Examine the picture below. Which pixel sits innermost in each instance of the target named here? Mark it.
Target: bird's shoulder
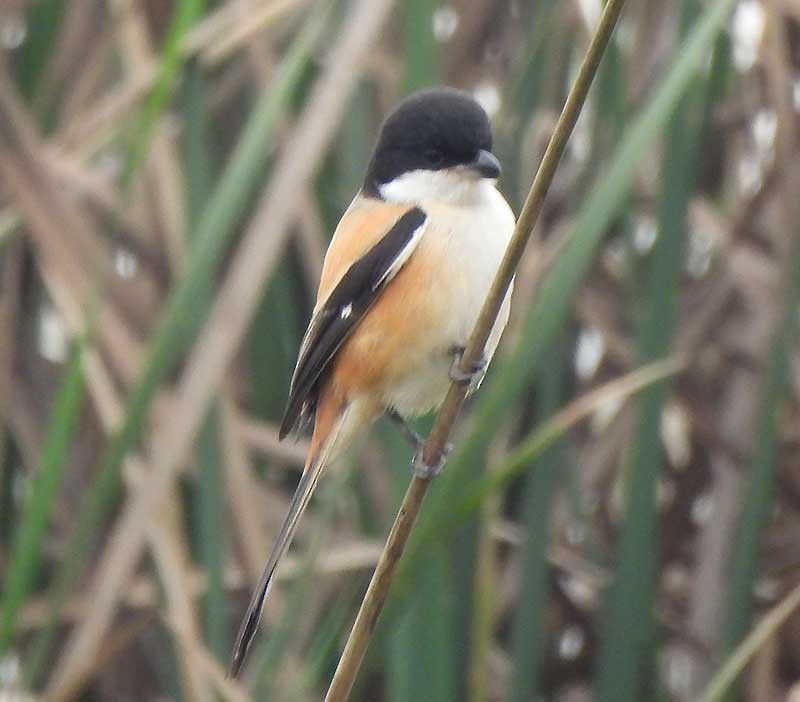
(365, 223)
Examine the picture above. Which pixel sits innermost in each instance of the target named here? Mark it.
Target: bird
(403, 282)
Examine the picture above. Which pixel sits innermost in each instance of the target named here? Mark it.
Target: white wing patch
(402, 256)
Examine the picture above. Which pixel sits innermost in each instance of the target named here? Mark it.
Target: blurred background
(623, 504)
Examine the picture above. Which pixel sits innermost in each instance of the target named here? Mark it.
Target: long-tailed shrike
(404, 279)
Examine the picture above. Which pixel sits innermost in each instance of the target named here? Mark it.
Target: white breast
(470, 239)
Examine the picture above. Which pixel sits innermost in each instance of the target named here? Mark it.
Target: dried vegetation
(170, 173)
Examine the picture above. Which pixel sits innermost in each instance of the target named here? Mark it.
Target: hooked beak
(486, 164)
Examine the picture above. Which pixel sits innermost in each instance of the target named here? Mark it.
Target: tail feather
(325, 437)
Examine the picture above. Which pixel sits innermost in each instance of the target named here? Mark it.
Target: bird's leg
(414, 439)
(471, 378)
(419, 468)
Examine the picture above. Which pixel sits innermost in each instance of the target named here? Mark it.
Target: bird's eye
(434, 157)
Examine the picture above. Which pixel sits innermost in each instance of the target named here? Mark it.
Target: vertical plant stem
(756, 509)
(530, 627)
(209, 499)
(27, 547)
(627, 654)
(186, 12)
(420, 46)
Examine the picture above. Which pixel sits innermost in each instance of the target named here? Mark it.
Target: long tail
(329, 422)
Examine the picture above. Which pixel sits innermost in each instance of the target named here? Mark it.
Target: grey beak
(486, 164)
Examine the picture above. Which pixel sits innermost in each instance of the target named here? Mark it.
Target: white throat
(454, 186)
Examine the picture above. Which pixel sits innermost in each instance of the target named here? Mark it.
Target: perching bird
(403, 282)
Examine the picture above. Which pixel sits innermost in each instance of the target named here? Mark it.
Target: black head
(432, 130)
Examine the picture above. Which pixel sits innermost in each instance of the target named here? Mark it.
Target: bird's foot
(472, 378)
(420, 469)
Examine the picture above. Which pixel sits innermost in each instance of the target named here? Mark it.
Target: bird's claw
(420, 469)
(472, 378)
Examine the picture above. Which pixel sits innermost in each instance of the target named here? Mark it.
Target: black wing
(347, 304)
